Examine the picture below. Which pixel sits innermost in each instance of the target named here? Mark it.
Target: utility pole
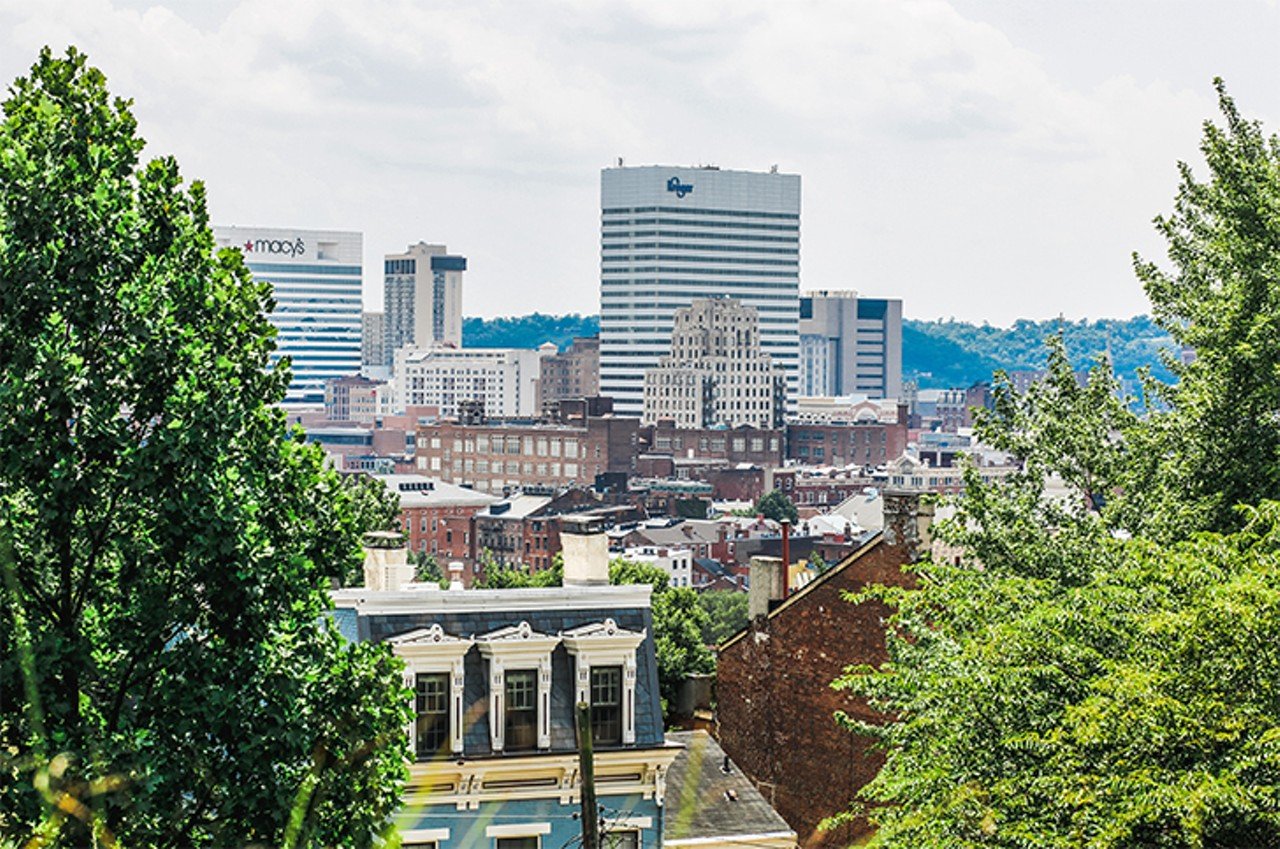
(587, 771)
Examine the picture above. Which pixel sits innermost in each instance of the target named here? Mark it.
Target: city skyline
(951, 152)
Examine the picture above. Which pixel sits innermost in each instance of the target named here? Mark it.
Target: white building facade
(850, 345)
(422, 298)
(316, 277)
(505, 380)
(672, 235)
(716, 374)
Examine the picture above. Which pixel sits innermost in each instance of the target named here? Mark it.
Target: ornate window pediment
(518, 648)
(428, 654)
(605, 644)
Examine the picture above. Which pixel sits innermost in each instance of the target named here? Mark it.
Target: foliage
(1094, 672)
(498, 576)
(678, 624)
(377, 509)
(775, 505)
(528, 331)
(946, 354)
(726, 614)
(173, 679)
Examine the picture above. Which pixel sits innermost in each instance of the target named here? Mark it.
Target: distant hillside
(938, 354)
(941, 354)
(527, 331)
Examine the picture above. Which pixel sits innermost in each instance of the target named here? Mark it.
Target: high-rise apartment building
(316, 277)
(422, 298)
(850, 345)
(717, 373)
(672, 235)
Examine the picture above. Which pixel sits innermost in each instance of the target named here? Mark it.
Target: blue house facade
(495, 676)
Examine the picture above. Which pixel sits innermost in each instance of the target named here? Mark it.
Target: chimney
(586, 551)
(386, 563)
(767, 585)
(908, 520)
(455, 575)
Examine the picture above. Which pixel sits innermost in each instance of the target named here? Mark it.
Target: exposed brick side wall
(775, 703)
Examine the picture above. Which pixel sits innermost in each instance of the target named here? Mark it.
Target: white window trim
(425, 835)
(431, 651)
(522, 829)
(517, 647)
(605, 644)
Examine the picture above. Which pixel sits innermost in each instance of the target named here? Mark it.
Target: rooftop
(709, 805)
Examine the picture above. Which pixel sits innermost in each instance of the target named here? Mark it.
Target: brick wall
(775, 704)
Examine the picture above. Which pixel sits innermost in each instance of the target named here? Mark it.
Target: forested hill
(939, 354)
(942, 354)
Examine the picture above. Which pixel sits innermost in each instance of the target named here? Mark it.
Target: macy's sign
(296, 247)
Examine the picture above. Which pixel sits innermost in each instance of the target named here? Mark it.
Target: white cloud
(944, 160)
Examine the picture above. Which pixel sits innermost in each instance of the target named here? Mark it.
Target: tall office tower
(672, 235)
(316, 275)
(717, 372)
(423, 298)
(373, 339)
(850, 345)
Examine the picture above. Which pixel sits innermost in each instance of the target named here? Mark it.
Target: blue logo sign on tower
(681, 189)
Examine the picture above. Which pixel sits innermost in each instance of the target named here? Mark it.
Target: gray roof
(441, 494)
(699, 807)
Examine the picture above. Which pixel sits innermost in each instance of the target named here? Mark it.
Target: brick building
(861, 443)
(436, 516)
(817, 491)
(351, 399)
(775, 703)
(572, 373)
(504, 456)
(758, 446)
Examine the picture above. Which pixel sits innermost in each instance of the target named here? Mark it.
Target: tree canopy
(775, 505)
(168, 675)
(1094, 672)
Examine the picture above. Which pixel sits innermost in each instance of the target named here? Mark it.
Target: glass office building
(672, 235)
(317, 276)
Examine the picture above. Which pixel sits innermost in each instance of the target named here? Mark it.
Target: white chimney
(455, 575)
(386, 562)
(586, 552)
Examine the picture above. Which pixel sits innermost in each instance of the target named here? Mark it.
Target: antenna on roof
(773, 169)
(619, 161)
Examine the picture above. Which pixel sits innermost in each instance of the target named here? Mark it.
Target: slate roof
(699, 803)
(543, 618)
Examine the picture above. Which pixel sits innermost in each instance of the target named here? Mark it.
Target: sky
(986, 160)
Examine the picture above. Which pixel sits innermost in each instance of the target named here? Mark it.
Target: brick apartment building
(758, 446)
(775, 703)
(437, 516)
(862, 443)
(572, 373)
(504, 456)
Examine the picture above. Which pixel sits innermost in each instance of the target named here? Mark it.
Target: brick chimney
(768, 584)
(586, 552)
(908, 521)
(386, 562)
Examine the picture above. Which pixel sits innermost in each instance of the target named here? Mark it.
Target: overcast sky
(982, 159)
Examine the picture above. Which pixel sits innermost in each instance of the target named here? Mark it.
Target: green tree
(678, 624)
(1090, 675)
(776, 506)
(726, 614)
(168, 675)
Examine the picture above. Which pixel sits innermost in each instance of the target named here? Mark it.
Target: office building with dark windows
(670, 236)
(316, 278)
(850, 345)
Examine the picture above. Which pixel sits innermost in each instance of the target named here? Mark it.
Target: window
(517, 843)
(432, 706)
(606, 705)
(522, 710)
(620, 840)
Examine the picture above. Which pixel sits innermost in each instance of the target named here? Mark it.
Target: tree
(1089, 674)
(678, 624)
(776, 506)
(726, 614)
(166, 544)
